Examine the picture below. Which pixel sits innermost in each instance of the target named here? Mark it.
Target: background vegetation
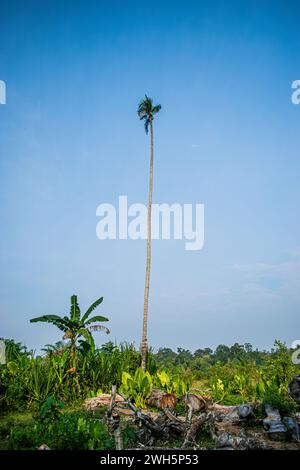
(41, 396)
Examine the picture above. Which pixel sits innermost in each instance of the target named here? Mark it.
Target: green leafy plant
(50, 409)
(69, 431)
(163, 381)
(137, 387)
(218, 390)
(171, 384)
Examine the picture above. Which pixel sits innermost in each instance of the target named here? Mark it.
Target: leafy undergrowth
(60, 429)
(71, 430)
(11, 420)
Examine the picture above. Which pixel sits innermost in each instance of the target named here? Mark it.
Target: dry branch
(113, 420)
(192, 429)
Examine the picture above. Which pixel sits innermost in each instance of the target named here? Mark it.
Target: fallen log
(144, 418)
(292, 427)
(225, 439)
(195, 403)
(227, 425)
(245, 411)
(192, 430)
(273, 424)
(233, 414)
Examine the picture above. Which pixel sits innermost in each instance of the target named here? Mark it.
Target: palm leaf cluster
(146, 111)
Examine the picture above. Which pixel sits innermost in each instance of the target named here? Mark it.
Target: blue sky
(227, 136)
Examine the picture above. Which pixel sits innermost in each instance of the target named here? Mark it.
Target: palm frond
(156, 109)
(142, 113)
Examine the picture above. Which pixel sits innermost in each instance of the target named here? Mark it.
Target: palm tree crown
(146, 111)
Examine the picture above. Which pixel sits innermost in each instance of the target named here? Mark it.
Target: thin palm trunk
(144, 345)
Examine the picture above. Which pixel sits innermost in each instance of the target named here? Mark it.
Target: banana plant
(76, 326)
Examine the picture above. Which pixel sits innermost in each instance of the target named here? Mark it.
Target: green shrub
(171, 384)
(137, 387)
(70, 431)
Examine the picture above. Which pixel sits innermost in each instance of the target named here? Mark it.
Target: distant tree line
(202, 358)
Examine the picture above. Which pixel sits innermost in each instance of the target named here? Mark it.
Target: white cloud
(295, 253)
(257, 276)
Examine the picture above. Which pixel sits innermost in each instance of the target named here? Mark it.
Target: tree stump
(162, 400)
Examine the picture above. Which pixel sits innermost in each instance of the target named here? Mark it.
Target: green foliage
(68, 431)
(60, 429)
(50, 409)
(137, 387)
(130, 436)
(92, 393)
(277, 397)
(171, 384)
(13, 350)
(28, 380)
(218, 390)
(274, 378)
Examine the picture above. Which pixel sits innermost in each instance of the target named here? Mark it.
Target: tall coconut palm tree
(76, 326)
(146, 112)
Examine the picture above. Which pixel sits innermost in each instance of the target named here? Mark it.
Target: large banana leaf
(96, 318)
(75, 310)
(54, 319)
(91, 308)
